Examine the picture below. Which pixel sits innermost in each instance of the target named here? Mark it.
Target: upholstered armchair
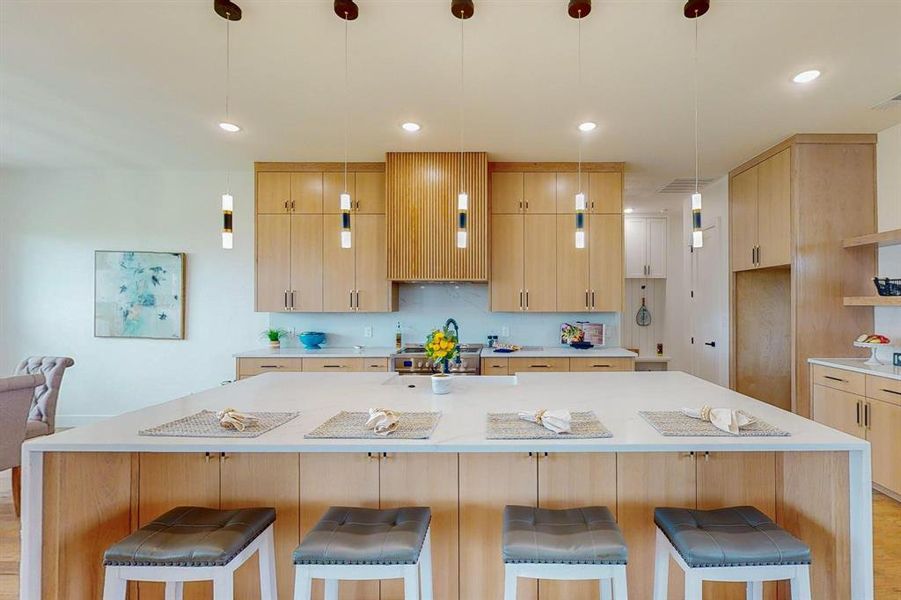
(16, 397)
(42, 417)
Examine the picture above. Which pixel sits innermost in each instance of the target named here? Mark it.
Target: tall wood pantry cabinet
(300, 264)
(535, 265)
(790, 208)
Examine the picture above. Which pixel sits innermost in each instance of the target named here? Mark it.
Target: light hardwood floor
(886, 524)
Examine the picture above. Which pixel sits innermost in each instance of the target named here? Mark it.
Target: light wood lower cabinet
(525, 365)
(884, 435)
(248, 367)
(839, 410)
(601, 364)
(494, 366)
(511, 366)
(332, 365)
(375, 364)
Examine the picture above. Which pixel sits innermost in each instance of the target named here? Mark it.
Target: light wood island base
(91, 499)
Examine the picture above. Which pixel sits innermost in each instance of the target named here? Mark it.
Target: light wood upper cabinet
(333, 186)
(507, 258)
(605, 192)
(567, 188)
(273, 193)
(306, 263)
(540, 193)
(372, 289)
(306, 193)
(606, 248)
(761, 214)
(646, 246)
(338, 276)
(774, 211)
(539, 264)
(370, 191)
(506, 193)
(573, 293)
(273, 262)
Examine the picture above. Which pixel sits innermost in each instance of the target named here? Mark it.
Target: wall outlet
(505, 331)
(367, 331)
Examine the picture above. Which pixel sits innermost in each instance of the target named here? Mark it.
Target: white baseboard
(69, 421)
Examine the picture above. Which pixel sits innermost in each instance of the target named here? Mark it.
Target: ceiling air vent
(683, 185)
(890, 103)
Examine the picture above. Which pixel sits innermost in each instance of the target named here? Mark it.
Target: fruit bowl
(311, 339)
(873, 342)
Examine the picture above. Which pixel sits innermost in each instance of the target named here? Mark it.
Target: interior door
(572, 266)
(539, 263)
(743, 209)
(506, 262)
(306, 262)
(774, 210)
(709, 307)
(606, 253)
(338, 277)
(371, 247)
(636, 234)
(657, 249)
(273, 256)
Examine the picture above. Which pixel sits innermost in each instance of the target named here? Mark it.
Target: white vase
(275, 344)
(441, 383)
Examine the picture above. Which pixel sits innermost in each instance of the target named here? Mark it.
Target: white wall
(888, 189)
(51, 224)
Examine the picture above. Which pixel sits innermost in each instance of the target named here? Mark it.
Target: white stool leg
(620, 589)
(224, 586)
(754, 590)
(800, 583)
(303, 583)
(411, 582)
(425, 566)
(509, 583)
(693, 587)
(331, 589)
(661, 567)
(113, 586)
(268, 583)
(175, 590)
(606, 586)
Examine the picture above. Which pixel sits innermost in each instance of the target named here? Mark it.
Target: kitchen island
(85, 488)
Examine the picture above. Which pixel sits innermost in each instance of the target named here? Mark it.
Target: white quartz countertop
(616, 398)
(325, 352)
(560, 352)
(856, 364)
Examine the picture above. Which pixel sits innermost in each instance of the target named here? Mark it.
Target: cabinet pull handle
(351, 299)
(373, 455)
(223, 456)
(357, 298)
(520, 206)
(270, 366)
(292, 205)
(858, 412)
(520, 300)
(286, 206)
(834, 378)
(758, 256)
(539, 366)
(333, 366)
(601, 366)
(527, 299)
(866, 415)
(891, 391)
(207, 456)
(592, 299)
(286, 299)
(292, 300)
(586, 300)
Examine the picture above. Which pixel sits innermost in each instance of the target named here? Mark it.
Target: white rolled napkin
(229, 418)
(382, 420)
(726, 419)
(558, 421)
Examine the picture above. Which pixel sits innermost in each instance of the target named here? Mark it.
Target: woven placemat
(205, 424)
(673, 423)
(508, 426)
(352, 425)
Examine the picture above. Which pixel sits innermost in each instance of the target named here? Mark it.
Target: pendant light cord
(579, 92)
(462, 97)
(697, 145)
(227, 62)
(346, 103)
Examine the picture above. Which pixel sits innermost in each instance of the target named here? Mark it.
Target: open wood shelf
(883, 238)
(872, 300)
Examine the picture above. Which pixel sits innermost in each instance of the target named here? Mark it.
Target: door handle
(711, 344)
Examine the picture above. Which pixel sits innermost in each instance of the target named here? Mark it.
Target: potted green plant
(274, 336)
(441, 347)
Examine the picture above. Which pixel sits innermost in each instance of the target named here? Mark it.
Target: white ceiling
(128, 84)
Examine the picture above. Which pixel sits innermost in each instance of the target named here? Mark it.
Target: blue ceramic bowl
(311, 339)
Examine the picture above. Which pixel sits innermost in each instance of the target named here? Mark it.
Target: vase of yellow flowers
(441, 347)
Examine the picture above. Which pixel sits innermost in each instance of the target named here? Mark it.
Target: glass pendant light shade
(345, 230)
(228, 240)
(697, 234)
(696, 201)
(580, 238)
(461, 238)
(345, 201)
(462, 201)
(228, 202)
(345, 239)
(580, 201)
(697, 239)
(228, 205)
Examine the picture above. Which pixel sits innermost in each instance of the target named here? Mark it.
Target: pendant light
(575, 11)
(348, 11)
(230, 12)
(462, 10)
(693, 10)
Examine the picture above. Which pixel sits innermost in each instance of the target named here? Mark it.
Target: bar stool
(366, 543)
(577, 543)
(728, 544)
(191, 543)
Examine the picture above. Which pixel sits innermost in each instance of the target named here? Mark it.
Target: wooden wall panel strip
(421, 204)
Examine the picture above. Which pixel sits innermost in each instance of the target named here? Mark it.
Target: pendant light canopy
(579, 9)
(462, 9)
(347, 9)
(693, 10)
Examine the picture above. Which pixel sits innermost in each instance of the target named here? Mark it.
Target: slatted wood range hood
(421, 208)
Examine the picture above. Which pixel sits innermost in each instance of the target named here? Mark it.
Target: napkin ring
(705, 413)
(539, 416)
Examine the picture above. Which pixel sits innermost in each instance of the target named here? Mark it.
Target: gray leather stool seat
(365, 536)
(191, 536)
(729, 537)
(573, 536)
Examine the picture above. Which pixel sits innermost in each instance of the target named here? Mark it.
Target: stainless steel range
(412, 360)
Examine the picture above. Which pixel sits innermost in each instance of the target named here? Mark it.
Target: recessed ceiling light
(229, 127)
(411, 127)
(806, 76)
(628, 211)
(587, 126)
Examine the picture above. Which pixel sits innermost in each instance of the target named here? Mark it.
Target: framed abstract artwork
(139, 294)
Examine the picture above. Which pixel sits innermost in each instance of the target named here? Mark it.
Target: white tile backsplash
(422, 307)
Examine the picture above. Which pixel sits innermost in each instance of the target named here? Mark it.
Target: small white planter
(441, 383)
(276, 344)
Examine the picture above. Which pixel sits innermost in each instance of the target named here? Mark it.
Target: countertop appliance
(412, 360)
